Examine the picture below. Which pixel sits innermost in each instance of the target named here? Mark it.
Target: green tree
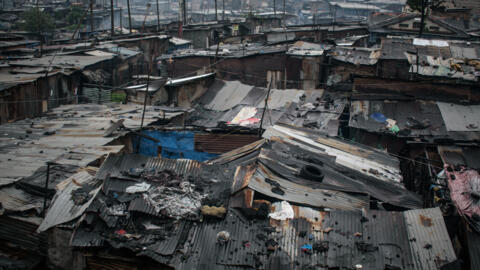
(37, 21)
(75, 15)
(431, 4)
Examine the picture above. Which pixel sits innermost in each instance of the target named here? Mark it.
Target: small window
(416, 25)
(404, 25)
(434, 28)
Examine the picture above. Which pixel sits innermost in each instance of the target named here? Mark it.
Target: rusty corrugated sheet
(432, 247)
(222, 143)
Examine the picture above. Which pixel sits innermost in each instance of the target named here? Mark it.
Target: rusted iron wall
(33, 99)
(347, 71)
(222, 143)
(249, 70)
(347, 33)
(186, 66)
(393, 69)
(304, 72)
(188, 93)
(424, 89)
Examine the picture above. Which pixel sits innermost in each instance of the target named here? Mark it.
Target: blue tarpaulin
(174, 145)
(379, 117)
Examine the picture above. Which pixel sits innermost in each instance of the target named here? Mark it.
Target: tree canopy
(37, 21)
(432, 4)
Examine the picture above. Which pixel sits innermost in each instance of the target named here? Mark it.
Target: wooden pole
(216, 14)
(129, 17)
(265, 108)
(91, 17)
(112, 19)
(158, 17)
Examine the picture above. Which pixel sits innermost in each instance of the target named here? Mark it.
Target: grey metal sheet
(400, 111)
(279, 99)
(463, 52)
(63, 209)
(13, 199)
(288, 160)
(231, 93)
(429, 240)
(343, 252)
(387, 231)
(78, 137)
(473, 242)
(365, 160)
(460, 117)
(20, 232)
(303, 194)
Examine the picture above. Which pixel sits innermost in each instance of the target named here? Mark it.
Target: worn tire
(312, 172)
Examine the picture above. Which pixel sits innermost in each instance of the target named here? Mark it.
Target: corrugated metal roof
(63, 209)
(242, 154)
(13, 199)
(429, 241)
(20, 232)
(413, 118)
(292, 192)
(460, 117)
(222, 143)
(227, 95)
(473, 241)
(78, 137)
(367, 161)
(289, 160)
(357, 56)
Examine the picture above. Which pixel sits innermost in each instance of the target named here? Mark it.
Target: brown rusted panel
(221, 143)
(423, 90)
(243, 199)
(242, 177)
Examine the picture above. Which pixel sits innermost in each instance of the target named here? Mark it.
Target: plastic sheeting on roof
(430, 42)
(171, 145)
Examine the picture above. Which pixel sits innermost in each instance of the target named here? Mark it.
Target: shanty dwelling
(179, 92)
(404, 24)
(175, 43)
(210, 193)
(249, 208)
(253, 64)
(348, 63)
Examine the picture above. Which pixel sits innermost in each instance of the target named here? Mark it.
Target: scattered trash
(357, 234)
(223, 237)
(415, 124)
(121, 232)
(321, 246)
(283, 211)
(395, 129)
(327, 230)
(365, 247)
(307, 248)
(271, 244)
(391, 123)
(358, 266)
(213, 211)
(182, 201)
(138, 188)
